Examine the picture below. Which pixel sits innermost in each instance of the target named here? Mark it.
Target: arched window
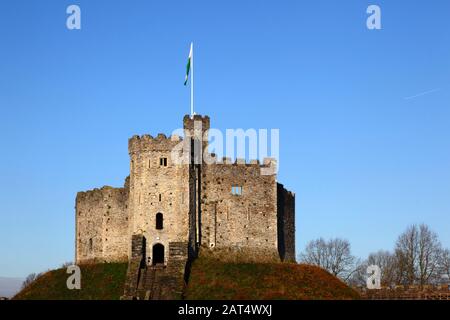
(90, 244)
(159, 221)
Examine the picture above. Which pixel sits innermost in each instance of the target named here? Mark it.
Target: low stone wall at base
(132, 278)
(396, 294)
(241, 254)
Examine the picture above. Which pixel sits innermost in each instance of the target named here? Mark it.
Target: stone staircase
(157, 282)
(149, 287)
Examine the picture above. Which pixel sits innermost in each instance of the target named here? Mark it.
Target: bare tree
(388, 266)
(445, 263)
(359, 276)
(333, 255)
(418, 253)
(406, 253)
(29, 280)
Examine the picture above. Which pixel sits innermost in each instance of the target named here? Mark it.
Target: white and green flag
(190, 71)
(188, 67)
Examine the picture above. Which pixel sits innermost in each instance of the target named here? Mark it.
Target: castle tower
(196, 128)
(196, 135)
(159, 195)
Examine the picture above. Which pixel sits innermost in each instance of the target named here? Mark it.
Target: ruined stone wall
(242, 227)
(156, 188)
(102, 225)
(286, 223)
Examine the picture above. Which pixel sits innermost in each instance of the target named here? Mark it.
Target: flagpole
(192, 81)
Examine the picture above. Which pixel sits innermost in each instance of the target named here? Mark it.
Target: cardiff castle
(181, 201)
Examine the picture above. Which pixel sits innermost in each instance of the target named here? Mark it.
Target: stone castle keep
(169, 212)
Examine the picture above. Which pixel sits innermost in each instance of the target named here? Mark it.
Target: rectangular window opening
(163, 162)
(236, 190)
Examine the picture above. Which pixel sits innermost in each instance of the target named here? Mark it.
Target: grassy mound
(211, 279)
(98, 282)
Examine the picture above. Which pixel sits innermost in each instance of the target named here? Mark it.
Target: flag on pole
(188, 67)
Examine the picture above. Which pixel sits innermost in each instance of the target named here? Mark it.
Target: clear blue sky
(364, 116)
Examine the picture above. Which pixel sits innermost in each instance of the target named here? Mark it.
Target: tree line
(418, 258)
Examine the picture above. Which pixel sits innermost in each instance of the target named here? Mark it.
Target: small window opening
(159, 221)
(236, 190)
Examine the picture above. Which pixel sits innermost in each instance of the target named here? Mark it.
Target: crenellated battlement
(146, 142)
(99, 194)
(190, 122)
(267, 162)
(103, 190)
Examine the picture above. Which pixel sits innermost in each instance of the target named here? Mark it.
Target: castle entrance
(158, 254)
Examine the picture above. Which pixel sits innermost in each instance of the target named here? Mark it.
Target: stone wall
(243, 225)
(411, 293)
(135, 264)
(102, 225)
(286, 223)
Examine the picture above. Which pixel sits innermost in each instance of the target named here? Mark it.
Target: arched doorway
(158, 254)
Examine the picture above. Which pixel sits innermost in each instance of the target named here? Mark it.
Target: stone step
(158, 282)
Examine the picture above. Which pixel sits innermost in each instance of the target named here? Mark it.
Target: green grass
(98, 282)
(211, 279)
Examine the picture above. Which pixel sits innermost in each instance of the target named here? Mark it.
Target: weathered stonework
(239, 223)
(179, 210)
(156, 188)
(286, 223)
(102, 225)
